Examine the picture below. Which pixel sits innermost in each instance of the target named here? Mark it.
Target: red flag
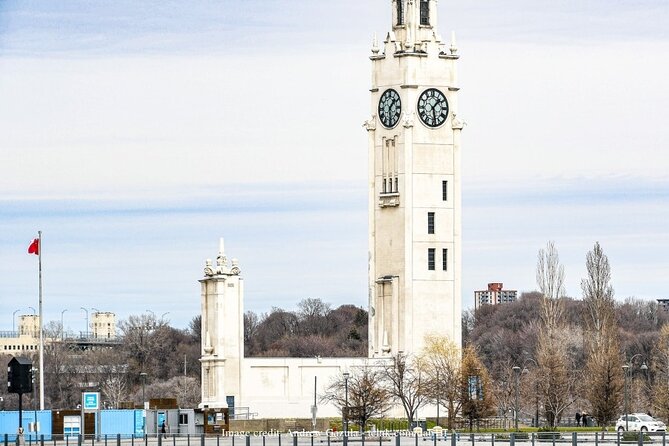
(34, 247)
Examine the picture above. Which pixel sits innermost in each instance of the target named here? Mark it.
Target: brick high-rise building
(495, 294)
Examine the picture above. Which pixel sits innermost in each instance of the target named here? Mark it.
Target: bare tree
(111, 374)
(138, 340)
(660, 366)
(367, 397)
(554, 362)
(251, 325)
(195, 328)
(313, 317)
(403, 376)
(603, 371)
(441, 362)
(550, 280)
(503, 388)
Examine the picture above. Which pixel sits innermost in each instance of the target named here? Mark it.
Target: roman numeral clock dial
(432, 107)
(390, 107)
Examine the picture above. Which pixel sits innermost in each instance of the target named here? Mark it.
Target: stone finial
(370, 124)
(457, 123)
(235, 271)
(408, 119)
(208, 348)
(454, 48)
(208, 268)
(385, 348)
(375, 45)
(221, 260)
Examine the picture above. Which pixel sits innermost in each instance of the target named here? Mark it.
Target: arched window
(400, 12)
(424, 12)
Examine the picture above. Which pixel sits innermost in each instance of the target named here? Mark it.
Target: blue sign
(139, 422)
(91, 400)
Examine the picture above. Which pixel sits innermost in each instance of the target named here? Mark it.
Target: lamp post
(62, 325)
(516, 371)
(142, 376)
(95, 333)
(438, 403)
(625, 369)
(536, 390)
(34, 315)
(86, 331)
(345, 413)
(647, 385)
(14, 320)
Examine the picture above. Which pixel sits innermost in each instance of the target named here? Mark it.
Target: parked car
(640, 422)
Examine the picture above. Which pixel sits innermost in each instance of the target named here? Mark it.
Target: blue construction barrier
(9, 424)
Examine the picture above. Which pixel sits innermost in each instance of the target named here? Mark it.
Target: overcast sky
(135, 134)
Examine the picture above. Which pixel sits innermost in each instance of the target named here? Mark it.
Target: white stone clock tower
(414, 185)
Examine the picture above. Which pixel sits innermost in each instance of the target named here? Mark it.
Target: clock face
(432, 107)
(390, 107)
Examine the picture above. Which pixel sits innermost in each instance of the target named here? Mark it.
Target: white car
(640, 422)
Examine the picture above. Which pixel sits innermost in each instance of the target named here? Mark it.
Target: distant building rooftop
(494, 295)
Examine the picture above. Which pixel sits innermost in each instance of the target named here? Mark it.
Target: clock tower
(414, 185)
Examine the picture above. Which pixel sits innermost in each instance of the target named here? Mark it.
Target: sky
(135, 134)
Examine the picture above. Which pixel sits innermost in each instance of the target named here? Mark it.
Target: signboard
(475, 390)
(90, 401)
(140, 417)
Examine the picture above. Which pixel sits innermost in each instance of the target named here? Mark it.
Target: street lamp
(345, 423)
(625, 370)
(516, 371)
(536, 390)
(86, 331)
(142, 376)
(34, 315)
(14, 320)
(162, 316)
(62, 325)
(438, 403)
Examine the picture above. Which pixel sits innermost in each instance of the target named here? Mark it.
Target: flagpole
(41, 328)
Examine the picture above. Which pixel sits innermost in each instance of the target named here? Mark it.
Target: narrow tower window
(424, 12)
(430, 259)
(444, 259)
(400, 12)
(444, 190)
(430, 222)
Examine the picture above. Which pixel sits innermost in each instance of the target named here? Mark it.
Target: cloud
(137, 133)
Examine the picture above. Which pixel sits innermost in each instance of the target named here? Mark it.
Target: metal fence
(380, 438)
